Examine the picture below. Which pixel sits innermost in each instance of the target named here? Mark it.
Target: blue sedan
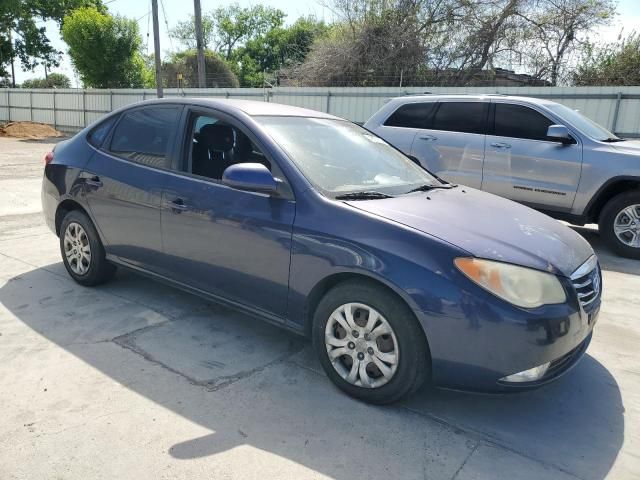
(317, 225)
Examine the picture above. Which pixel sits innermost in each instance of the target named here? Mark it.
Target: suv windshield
(340, 157)
(582, 123)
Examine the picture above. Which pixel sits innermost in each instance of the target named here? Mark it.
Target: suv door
(523, 164)
(123, 183)
(404, 123)
(231, 243)
(452, 143)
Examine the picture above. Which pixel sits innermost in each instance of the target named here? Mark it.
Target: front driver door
(230, 243)
(521, 163)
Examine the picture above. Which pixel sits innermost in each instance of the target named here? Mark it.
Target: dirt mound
(28, 130)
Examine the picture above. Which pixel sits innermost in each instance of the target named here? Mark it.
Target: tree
(280, 47)
(554, 29)
(226, 28)
(53, 80)
(22, 37)
(219, 75)
(616, 63)
(104, 49)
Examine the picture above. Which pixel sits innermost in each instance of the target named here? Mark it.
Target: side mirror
(254, 177)
(560, 133)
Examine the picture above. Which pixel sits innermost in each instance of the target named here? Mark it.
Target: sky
(176, 10)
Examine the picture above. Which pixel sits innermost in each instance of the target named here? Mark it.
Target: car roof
(250, 107)
(463, 96)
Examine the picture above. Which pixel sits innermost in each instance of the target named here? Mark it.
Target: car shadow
(609, 260)
(263, 387)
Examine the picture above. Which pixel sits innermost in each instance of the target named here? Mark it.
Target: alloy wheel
(77, 249)
(361, 345)
(626, 226)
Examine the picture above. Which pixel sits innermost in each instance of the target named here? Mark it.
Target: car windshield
(339, 157)
(582, 123)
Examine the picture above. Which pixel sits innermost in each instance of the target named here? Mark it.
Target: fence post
(111, 100)
(328, 100)
(8, 106)
(614, 122)
(84, 108)
(55, 120)
(31, 105)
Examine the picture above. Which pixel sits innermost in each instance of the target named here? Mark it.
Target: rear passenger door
(452, 143)
(523, 164)
(123, 183)
(402, 125)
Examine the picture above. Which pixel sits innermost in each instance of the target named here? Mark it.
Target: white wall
(71, 109)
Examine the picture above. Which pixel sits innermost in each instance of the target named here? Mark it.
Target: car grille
(587, 282)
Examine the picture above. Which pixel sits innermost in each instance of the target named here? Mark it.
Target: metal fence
(69, 110)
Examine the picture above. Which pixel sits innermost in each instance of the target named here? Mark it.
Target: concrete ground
(137, 380)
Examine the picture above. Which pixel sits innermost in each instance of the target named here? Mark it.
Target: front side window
(214, 145)
(340, 157)
(464, 117)
(518, 121)
(411, 115)
(145, 135)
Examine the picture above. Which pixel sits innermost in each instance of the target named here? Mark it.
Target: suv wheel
(369, 343)
(620, 224)
(82, 251)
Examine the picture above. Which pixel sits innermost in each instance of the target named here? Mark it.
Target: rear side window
(411, 115)
(98, 134)
(465, 117)
(145, 135)
(518, 121)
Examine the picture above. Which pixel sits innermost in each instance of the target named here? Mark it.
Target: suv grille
(587, 282)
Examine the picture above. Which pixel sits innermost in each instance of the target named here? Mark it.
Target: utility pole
(199, 44)
(156, 47)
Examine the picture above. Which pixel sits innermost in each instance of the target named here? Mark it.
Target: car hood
(487, 226)
(628, 146)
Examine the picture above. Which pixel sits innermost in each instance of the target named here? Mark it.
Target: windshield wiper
(364, 195)
(614, 140)
(427, 186)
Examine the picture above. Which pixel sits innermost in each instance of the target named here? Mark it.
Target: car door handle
(500, 145)
(93, 181)
(177, 205)
(428, 138)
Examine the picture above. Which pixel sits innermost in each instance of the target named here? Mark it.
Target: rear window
(99, 133)
(411, 115)
(518, 121)
(465, 117)
(145, 135)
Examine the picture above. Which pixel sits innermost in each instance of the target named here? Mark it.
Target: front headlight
(521, 286)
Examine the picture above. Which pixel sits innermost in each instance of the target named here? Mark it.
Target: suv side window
(465, 117)
(145, 135)
(518, 121)
(411, 115)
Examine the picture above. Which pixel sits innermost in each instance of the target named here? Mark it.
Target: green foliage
(615, 63)
(21, 35)
(278, 48)
(54, 80)
(104, 49)
(219, 75)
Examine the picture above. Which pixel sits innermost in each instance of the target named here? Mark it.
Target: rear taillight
(48, 157)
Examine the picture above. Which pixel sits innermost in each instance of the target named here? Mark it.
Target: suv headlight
(521, 286)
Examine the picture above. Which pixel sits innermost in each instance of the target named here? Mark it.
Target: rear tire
(402, 361)
(619, 224)
(82, 251)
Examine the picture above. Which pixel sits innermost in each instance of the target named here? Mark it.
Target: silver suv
(536, 152)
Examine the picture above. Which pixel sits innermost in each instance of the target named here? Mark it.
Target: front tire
(369, 343)
(82, 251)
(620, 224)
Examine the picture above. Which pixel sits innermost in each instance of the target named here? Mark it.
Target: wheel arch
(612, 188)
(64, 208)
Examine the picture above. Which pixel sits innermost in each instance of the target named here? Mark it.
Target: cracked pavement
(136, 380)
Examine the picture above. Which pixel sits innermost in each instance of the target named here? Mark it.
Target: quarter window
(465, 117)
(411, 115)
(99, 133)
(518, 121)
(145, 135)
